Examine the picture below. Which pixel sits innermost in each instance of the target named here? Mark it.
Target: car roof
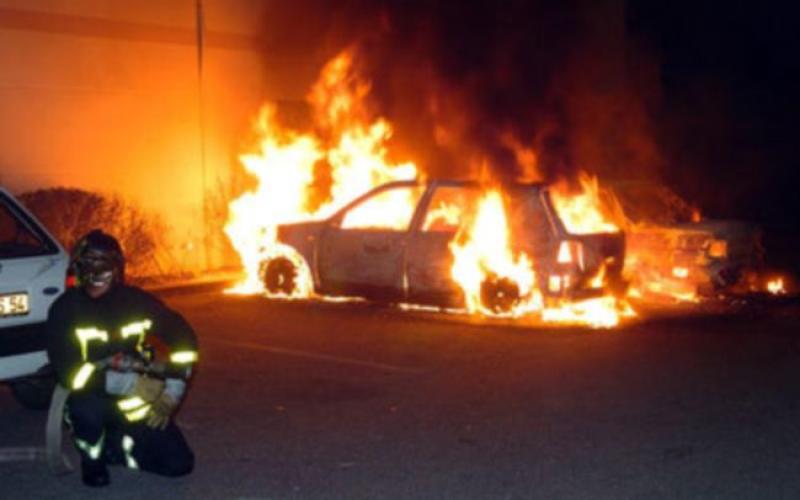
(459, 183)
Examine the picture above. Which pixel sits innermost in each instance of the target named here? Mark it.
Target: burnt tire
(279, 275)
(499, 295)
(35, 392)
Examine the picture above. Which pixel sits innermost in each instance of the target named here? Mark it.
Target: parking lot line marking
(321, 357)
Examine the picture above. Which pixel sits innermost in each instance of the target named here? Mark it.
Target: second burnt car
(402, 253)
(672, 250)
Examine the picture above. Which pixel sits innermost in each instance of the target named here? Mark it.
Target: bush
(70, 213)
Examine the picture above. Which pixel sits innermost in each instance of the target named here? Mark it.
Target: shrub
(70, 213)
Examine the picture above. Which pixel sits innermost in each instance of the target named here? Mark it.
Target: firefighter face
(96, 272)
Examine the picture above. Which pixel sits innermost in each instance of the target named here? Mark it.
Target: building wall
(107, 96)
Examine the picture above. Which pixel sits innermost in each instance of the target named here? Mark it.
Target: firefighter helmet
(97, 260)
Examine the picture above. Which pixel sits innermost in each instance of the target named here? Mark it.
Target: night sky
(730, 102)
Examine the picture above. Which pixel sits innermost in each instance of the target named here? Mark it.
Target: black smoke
(468, 85)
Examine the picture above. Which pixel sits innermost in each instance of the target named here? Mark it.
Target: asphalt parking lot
(320, 400)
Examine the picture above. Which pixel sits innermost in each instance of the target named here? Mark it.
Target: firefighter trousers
(101, 432)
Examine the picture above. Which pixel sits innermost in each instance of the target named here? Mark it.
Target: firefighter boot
(112, 451)
(94, 472)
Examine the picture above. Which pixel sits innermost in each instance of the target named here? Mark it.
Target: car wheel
(279, 275)
(727, 277)
(35, 392)
(499, 295)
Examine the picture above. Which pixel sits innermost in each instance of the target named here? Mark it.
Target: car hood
(742, 238)
(698, 233)
(722, 228)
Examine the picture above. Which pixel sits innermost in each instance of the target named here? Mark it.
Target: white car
(33, 272)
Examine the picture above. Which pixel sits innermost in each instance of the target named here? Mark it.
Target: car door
(430, 259)
(362, 249)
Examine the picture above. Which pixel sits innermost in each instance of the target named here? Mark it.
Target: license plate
(14, 304)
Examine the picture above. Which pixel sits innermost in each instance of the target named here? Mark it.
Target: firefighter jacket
(82, 331)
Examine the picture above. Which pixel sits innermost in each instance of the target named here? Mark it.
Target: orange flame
(776, 286)
(584, 212)
(485, 264)
(486, 252)
(285, 162)
(284, 167)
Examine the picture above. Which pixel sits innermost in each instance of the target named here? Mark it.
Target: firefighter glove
(161, 411)
(148, 389)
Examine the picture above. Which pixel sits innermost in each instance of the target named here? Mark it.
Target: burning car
(673, 251)
(400, 242)
(307, 228)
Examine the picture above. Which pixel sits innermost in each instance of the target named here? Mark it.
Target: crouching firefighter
(122, 397)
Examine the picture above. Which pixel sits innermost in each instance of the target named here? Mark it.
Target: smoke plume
(524, 89)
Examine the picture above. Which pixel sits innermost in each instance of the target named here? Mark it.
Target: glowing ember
(601, 312)
(776, 286)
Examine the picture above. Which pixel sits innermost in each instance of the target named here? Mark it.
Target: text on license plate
(14, 304)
